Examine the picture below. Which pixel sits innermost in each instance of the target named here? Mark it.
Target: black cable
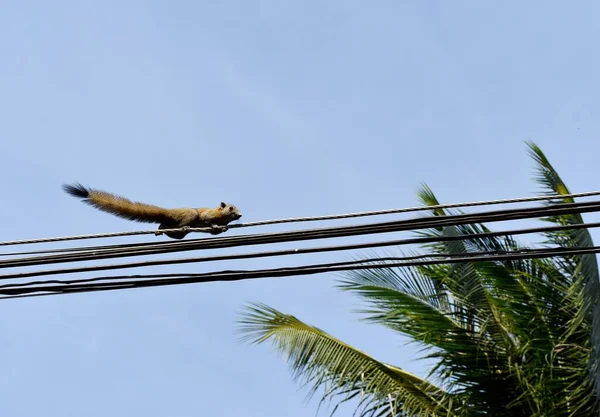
(462, 256)
(178, 279)
(310, 234)
(299, 251)
(152, 244)
(550, 197)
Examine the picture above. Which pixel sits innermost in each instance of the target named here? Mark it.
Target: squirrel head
(231, 211)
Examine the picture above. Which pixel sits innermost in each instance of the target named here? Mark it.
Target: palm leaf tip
(428, 198)
(546, 174)
(258, 321)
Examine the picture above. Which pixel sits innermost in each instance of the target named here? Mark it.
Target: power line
(309, 234)
(377, 260)
(300, 251)
(142, 281)
(314, 218)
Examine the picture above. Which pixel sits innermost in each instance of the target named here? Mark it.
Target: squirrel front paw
(215, 230)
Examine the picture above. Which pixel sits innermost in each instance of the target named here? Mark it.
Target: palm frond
(509, 338)
(468, 354)
(342, 371)
(469, 291)
(586, 265)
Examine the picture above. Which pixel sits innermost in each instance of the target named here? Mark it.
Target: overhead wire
(335, 264)
(113, 282)
(299, 251)
(313, 218)
(153, 280)
(307, 234)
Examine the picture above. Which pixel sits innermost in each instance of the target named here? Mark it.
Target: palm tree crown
(508, 337)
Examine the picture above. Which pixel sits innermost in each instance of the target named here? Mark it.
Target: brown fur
(146, 213)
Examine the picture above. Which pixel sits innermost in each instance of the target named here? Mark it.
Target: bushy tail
(119, 206)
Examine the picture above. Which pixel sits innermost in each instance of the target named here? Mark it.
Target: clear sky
(284, 109)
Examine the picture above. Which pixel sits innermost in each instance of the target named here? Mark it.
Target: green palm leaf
(509, 338)
(341, 370)
(584, 266)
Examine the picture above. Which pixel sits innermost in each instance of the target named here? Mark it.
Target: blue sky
(284, 109)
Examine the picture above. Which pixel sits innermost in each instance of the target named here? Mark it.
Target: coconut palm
(507, 337)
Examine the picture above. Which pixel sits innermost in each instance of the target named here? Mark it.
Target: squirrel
(185, 218)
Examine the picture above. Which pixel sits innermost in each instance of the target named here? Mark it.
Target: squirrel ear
(223, 205)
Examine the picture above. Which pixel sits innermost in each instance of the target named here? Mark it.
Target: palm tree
(508, 338)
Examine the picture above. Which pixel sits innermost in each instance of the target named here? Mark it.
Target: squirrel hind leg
(173, 235)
